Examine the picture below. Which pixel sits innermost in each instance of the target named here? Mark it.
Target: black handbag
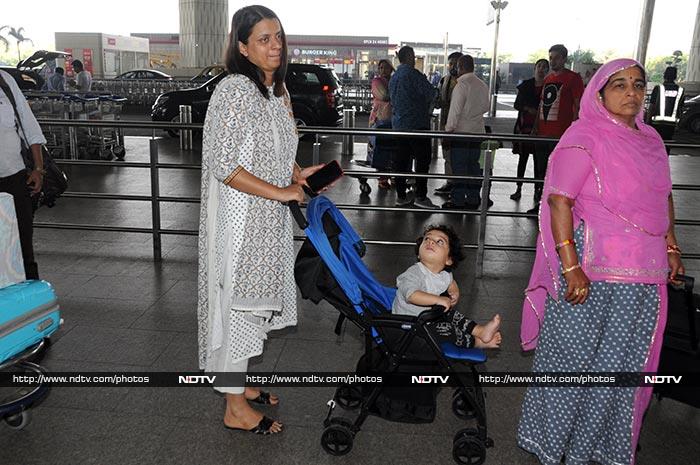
(55, 180)
(683, 323)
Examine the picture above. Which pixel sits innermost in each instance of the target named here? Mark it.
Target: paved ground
(125, 312)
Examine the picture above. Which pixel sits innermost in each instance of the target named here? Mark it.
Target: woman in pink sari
(605, 252)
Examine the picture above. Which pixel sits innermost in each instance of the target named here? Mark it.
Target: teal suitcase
(29, 312)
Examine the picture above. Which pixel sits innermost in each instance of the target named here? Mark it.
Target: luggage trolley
(29, 315)
(52, 106)
(111, 139)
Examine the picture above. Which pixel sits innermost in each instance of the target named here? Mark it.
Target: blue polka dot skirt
(611, 332)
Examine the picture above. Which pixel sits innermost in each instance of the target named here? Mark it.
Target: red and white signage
(87, 59)
(67, 67)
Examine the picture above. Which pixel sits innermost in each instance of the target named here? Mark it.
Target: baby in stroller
(429, 282)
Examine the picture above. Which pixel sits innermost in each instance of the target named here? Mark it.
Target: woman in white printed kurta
(246, 256)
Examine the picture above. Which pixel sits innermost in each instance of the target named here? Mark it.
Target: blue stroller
(329, 267)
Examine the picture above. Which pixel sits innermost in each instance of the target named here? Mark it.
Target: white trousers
(224, 365)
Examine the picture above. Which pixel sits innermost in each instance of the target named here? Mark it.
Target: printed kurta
(246, 254)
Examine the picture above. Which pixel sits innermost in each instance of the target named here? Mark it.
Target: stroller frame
(469, 444)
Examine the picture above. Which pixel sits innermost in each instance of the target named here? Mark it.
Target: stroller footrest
(452, 351)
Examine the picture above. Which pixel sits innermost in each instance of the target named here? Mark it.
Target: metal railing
(154, 165)
(141, 91)
(144, 92)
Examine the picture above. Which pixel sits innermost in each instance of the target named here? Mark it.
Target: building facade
(164, 50)
(352, 57)
(104, 55)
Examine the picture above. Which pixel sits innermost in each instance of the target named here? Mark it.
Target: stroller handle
(298, 214)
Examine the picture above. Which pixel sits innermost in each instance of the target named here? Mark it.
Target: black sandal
(261, 428)
(263, 399)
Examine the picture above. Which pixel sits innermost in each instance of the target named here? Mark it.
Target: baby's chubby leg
(489, 331)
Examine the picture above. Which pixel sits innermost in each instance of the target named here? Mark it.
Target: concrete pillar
(692, 77)
(640, 53)
(204, 26)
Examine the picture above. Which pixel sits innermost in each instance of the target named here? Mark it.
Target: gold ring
(584, 290)
(577, 291)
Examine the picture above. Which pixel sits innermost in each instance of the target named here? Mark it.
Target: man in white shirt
(83, 79)
(469, 102)
(15, 179)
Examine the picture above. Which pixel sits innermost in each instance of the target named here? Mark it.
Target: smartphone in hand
(325, 176)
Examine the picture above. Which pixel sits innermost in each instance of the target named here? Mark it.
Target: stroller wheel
(461, 407)
(469, 450)
(465, 433)
(337, 438)
(348, 397)
(119, 152)
(18, 420)
(365, 187)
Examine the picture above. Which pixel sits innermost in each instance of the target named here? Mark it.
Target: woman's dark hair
(386, 62)
(77, 64)
(242, 24)
(641, 70)
(456, 253)
(542, 60)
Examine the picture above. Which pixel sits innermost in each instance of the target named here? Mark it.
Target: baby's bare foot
(486, 332)
(494, 343)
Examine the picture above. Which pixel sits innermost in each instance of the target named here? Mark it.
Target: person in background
(15, 179)
(470, 100)
(665, 105)
(527, 103)
(83, 78)
(380, 118)
(445, 88)
(57, 82)
(559, 104)
(412, 99)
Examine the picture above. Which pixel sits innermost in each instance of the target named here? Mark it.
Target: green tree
(657, 65)
(537, 54)
(505, 58)
(18, 35)
(581, 56)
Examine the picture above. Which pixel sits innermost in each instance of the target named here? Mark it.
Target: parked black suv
(315, 92)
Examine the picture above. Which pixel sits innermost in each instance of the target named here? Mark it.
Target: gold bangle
(564, 244)
(235, 173)
(571, 268)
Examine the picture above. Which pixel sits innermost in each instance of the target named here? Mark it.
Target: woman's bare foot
(239, 414)
(494, 343)
(488, 331)
(252, 393)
